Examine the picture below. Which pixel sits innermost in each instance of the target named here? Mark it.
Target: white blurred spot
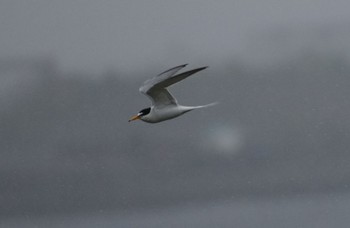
(223, 139)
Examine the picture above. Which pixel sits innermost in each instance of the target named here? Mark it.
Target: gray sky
(131, 35)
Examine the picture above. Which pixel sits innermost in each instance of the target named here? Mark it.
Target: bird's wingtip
(203, 68)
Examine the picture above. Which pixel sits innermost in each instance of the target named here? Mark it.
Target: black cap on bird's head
(141, 113)
(145, 111)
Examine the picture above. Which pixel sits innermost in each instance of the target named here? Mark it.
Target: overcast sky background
(132, 35)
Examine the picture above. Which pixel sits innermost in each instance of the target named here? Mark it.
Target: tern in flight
(164, 105)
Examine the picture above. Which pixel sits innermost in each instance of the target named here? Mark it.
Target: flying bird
(164, 105)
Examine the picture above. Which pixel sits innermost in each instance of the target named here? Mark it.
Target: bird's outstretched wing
(171, 71)
(155, 88)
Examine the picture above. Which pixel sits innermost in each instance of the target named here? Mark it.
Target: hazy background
(273, 153)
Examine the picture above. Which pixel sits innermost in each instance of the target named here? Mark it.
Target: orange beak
(136, 117)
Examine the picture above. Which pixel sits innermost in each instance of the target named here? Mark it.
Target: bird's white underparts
(164, 105)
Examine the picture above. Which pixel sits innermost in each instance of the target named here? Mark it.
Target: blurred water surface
(318, 211)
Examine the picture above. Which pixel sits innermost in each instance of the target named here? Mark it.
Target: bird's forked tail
(190, 108)
(208, 105)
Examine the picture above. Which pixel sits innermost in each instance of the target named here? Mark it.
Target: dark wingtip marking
(202, 68)
(183, 65)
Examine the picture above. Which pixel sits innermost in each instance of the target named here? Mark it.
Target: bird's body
(169, 112)
(164, 105)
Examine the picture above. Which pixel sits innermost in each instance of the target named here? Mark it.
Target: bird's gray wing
(171, 71)
(160, 97)
(155, 88)
(176, 78)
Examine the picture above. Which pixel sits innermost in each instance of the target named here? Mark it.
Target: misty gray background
(273, 153)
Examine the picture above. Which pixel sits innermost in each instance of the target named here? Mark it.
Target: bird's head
(141, 113)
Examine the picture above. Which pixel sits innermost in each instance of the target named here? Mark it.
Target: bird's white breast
(164, 113)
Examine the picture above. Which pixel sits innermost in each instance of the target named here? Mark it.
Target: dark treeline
(66, 144)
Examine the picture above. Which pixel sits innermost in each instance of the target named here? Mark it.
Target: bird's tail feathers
(209, 105)
(203, 106)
